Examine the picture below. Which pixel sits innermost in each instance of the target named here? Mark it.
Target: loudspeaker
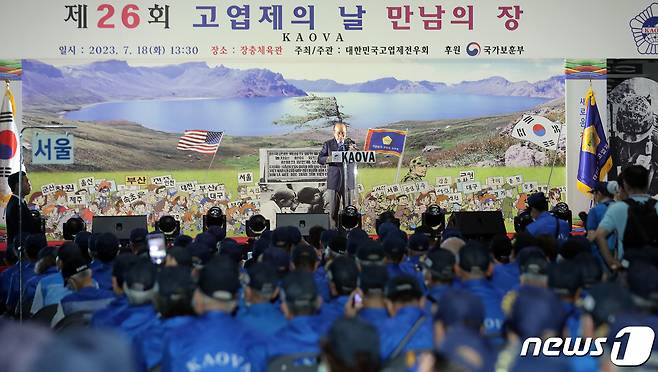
(303, 221)
(480, 225)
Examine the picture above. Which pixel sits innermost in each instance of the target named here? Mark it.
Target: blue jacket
(149, 344)
(398, 326)
(301, 335)
(331, 311)
(506, 277)
(320, 277)
(573, 319)
(112, 315)
(213, 341)
(15, 283)
(263, 318)
(434, 294)
(394, 270)
(30, 287)
(86, 299)
(5, 281)
(377, 317)
(409, 267)
(545, 225)
(491, 299)
(102, 273)
(137, 319)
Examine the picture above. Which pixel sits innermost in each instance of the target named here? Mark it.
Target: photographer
(545, 223)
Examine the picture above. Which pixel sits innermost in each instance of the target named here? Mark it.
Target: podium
(351, 157)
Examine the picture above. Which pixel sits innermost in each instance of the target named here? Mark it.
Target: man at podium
(335, 182)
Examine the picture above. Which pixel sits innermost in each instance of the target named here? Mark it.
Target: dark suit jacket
(12, 217)
(335, 170)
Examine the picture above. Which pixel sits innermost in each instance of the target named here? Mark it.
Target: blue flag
(385, 141)
(595, 161)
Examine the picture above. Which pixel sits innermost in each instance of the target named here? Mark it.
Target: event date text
(147, 50)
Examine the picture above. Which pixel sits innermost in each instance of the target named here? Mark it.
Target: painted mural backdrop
(459, 153)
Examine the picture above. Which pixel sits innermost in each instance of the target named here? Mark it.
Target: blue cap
(419, 242)
(354, 239)
(138, 235)
(278, 258)
(201, 253)
(532, 260)
(385, 228)
(219, 279)
(260, 245)
(538, 200)
(394, 246)
(327, 236)
(351, 340)
(231, 248)
(536, 310)
(451, 233)
(107, 247)
(460, 307)
(565, 278)
(294, 235)
(217, 232)
(281, 237)
(344, 274)
(208, 239)
(262, 277)
(183, 240)
(468, 349)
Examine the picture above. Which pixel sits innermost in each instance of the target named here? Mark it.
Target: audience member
(139, 286)
(473, 267)
(112, 315)
(86, 297)
(405, 305)
(300, 304)
(261, 288)
(173, 303)
(214, 331)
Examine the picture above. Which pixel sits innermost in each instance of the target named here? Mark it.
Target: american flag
(201, 141)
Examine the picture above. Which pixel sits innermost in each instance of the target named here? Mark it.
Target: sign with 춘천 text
(52, 148)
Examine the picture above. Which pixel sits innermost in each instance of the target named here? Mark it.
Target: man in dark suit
(335, 184)
(16, 207)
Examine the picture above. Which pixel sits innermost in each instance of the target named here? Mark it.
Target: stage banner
(324, 30)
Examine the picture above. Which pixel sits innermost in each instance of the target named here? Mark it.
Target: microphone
(350, 144)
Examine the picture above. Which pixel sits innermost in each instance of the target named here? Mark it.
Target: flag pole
(213, 156)
(557, 146)
(404, 143)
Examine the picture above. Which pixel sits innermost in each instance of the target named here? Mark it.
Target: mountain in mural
(493, 86)
(47, 85)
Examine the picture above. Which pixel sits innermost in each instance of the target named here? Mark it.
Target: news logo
(638, 346)
(473, 49)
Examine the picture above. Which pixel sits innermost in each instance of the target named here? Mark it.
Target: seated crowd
(335, 300)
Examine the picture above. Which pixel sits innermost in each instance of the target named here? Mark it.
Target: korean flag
(538, 130)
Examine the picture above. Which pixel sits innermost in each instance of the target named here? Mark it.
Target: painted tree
(320, 112)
